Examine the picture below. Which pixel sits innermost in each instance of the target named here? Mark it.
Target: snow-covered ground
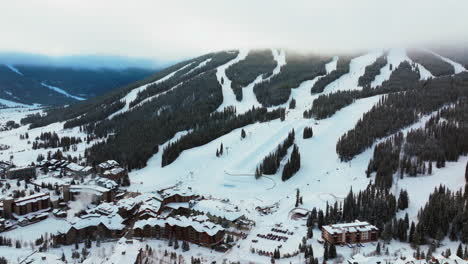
(11, 104)
(21, 150)
(229, 98)
(61, 91)
(357, 68)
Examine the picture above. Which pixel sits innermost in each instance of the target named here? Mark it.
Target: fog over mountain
(171, 30)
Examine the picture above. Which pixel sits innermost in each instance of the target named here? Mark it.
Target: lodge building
(195, 229)
(350, 233)
(26, 205)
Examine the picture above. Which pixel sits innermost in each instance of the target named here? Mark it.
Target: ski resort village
(246, 156)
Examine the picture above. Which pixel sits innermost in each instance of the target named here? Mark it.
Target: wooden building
(91, 226)
(26, 205)
(195, 229)
(350, 233)
(97, 193)
(21, 173)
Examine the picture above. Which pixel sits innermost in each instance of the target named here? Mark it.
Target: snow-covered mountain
(46, 85)
(208, 123)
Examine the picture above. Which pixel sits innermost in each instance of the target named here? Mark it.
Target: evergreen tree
(308, 132)
(460, 251)
(310, 232)
(242, 133)
(292, 104)
(377, 249)
(403, 200)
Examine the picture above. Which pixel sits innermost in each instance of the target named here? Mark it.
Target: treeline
(185, 74)
(271, 162)
(398, 110)
(374, 204)
(342, 67)
(432, 63)
(52, 140)
(444, 214)
(134, 137)
(372, 71)
(443, 138)
(218, 125)
(405, 77)
(246, 71)
(299, 68)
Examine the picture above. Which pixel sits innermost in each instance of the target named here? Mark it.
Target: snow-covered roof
(127, 204)
(150, 205)
(112, 222)
(106, 209)
(114, 171)
(32, 198)
(176, 191)
(87, 169)
(88, 188)
(75, 167)
(200, 223)
(107, 183)
(108, 164)
(177, 205)
(218, 208)
(356, 226)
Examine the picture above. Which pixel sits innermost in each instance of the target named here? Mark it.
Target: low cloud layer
(171, 30)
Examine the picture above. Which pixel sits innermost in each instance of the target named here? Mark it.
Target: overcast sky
(171, 29)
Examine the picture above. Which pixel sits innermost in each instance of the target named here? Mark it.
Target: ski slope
(357, 67)
(229, 98)
(132, 95)
(61, 91)
(12, 68)
(9, 104)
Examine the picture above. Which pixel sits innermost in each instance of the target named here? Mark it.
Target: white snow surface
(11, 67)
(11, 104)
(132, 95)
(357, 67)
(61, 91)
(229, 98)
(331, 66)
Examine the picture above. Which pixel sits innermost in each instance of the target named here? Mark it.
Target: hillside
(363, 123)
(48, 85)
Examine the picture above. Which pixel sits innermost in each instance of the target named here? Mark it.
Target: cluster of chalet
(172, 213)
(111, 169)
(64, 166)
(350, 233)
